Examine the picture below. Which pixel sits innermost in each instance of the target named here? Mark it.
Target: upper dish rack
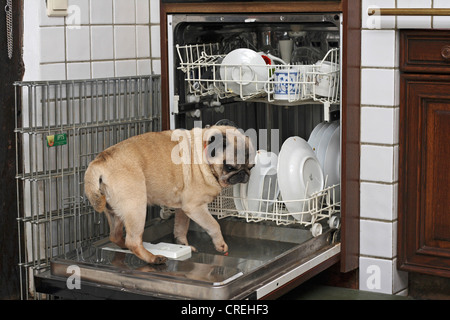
(207, 75)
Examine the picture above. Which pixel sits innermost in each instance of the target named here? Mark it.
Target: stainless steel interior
(258, 254)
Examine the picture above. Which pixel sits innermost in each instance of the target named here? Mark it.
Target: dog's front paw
(221, 247)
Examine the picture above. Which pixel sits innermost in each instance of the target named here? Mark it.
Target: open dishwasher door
(263, 262)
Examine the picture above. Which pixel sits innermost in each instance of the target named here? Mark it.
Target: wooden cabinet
(424, 159)
(425, 51)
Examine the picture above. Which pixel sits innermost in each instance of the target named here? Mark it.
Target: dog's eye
(229, 168)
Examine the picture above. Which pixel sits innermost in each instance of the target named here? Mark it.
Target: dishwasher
(277, 78)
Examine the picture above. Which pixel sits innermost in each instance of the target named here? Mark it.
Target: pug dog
(179, 169)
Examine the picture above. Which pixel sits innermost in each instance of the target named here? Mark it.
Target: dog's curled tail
(93, 187)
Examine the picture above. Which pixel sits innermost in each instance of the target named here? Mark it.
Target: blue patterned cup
(286, 84)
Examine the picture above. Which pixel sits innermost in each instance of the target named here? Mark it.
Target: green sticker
(57, 140)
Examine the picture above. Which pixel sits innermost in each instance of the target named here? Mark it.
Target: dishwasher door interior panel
(258, 255)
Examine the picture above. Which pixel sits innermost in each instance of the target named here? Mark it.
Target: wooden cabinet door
(424, 174)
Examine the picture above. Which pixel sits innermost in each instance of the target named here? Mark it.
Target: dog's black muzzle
(239, 177)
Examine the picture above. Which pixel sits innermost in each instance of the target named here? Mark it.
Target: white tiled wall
(99, 38)
(379, 139)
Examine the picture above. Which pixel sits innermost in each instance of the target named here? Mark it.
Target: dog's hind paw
(184, 242)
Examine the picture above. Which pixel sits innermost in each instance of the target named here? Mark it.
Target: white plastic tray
(169, 250)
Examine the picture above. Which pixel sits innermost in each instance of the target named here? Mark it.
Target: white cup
(325, 78)
(286, 49)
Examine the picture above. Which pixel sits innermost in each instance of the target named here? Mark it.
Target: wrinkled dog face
(230, 154)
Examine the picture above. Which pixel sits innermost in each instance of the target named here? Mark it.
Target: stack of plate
(325, 140)
(298, 172)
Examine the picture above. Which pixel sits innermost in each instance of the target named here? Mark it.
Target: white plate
(316, 142)
(324, 140)
(239, 197)
(332, 161)
(297, 168)
(262, 184)
(314, 137)
(242, 68)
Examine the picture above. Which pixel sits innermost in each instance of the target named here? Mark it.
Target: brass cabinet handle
(408, 12)
(445, 52)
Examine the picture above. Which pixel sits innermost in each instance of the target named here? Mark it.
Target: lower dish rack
(322, 205)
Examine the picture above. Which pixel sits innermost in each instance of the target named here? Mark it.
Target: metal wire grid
(321, 205)
(206, 76)
(53, 215)
(324, 204)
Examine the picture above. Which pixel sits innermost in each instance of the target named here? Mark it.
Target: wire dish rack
(61, 126)
(321, 205)
(207, 75)
(324, 204)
